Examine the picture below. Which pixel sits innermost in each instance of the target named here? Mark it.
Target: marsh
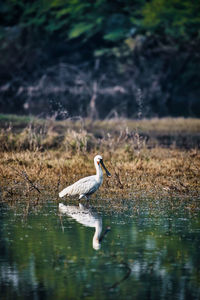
(146, 254)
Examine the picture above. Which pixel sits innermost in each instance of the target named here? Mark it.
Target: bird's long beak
(104, 233)
(107, 173)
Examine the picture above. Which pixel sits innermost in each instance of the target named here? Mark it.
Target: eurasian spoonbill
(86, 217)
(87, 185)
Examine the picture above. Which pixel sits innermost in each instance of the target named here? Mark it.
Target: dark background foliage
(101, 58)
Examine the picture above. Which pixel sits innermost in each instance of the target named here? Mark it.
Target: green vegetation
(111, 21)
(15, 119)
(70, 52)
(173, 18)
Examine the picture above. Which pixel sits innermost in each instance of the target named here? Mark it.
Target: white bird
(87, 185)
(85, 217)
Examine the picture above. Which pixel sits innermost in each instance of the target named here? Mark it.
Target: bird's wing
(85, 186)
(79, 213)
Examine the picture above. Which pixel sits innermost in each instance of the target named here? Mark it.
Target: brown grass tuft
(49, 156)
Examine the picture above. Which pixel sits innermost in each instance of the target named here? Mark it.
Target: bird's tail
(63, 193)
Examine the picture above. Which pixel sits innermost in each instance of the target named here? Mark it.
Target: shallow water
(47, 254)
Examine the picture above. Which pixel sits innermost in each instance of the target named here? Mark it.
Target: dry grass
(41, 159)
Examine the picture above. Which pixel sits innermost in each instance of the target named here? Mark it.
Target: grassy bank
(40, 158)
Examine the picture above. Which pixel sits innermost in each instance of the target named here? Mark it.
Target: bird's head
(99, 160)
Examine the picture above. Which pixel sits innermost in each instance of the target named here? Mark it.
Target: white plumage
(86, 217)
(87, 185)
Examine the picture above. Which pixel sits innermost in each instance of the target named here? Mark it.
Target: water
(48, 255)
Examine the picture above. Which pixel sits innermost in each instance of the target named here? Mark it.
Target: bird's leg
(60, 216)
(83, 196)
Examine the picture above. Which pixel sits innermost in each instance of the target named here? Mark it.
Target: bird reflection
(87, 217)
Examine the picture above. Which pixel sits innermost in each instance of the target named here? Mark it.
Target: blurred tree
(150, 45)
(177, 19)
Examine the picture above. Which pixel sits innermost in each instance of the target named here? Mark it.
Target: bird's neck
(99, 173)
(98, 229)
